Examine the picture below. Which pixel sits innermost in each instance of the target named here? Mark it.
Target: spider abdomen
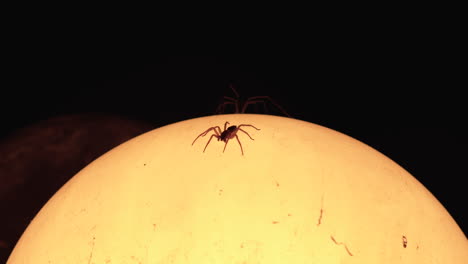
(228, 133)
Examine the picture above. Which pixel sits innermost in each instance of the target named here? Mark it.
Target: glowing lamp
(300, 193)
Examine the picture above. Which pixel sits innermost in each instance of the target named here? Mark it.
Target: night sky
(395, 98)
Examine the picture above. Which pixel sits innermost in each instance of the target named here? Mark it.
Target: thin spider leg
(239, 128)
(241, 125)
(225, 125)
(265, 97)
(230, 98)
(236, 100)
(227, 101)
(222, 106)
(225, 145)
(234, 90)
(209, 141)
(253, 102)
(218, 132)
(245, 133)
(240, 144)
(206, 132)
(233, 101)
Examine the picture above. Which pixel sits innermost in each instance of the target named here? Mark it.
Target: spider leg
(225, 145)
(245, 133)
(209, 141)
(218, 132)
(233, 89)
(222, 106)
(266, 98)
(253, 102)
(239, 128)
(233, 100)
(240, 143)
(227, 101)
(206, 132)
(225, 125)
(241, 125)
(237, 96)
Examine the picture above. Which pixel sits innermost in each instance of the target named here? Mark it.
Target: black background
(397, 94)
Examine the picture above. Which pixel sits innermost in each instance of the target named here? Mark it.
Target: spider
(240, 107)
(225, 135)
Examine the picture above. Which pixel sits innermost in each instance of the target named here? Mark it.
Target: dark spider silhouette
(241, 107)
(225, 135)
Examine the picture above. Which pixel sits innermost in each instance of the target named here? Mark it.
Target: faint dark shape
(3, 244)
(320, 217)
(225, 135)
(92, 249)
(241, 106)
(321, 213)
(405, 241)
(343, 244)
(37, 160)
(274, 222)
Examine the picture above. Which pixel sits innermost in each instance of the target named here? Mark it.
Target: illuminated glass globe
(296, 193)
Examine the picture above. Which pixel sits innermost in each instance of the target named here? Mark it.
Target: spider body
(227, 134)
